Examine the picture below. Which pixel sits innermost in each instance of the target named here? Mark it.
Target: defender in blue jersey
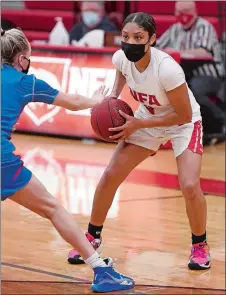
(17, 182)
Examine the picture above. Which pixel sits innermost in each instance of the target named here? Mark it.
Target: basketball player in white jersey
(167, 111)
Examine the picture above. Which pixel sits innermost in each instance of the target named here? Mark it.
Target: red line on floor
(165, 180)
(139, 176)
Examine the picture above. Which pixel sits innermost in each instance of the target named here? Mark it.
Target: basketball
(106, 115)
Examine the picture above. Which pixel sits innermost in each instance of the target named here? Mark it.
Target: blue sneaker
(106, 279)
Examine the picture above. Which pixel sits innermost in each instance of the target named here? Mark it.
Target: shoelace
(199, 251)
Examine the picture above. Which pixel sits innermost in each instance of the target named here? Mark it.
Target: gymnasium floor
(146, 231)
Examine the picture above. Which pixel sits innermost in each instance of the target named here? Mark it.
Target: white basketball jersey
(149, 88)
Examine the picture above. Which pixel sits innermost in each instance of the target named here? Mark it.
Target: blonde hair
(12, 42)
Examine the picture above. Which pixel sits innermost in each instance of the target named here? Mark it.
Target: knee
(49, 208)
(111, 176)
(190, 189)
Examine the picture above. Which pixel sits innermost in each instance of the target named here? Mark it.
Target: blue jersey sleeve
(36, 90)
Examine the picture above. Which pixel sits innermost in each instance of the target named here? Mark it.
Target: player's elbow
(187, 117)
(188, 120)
(72, 107)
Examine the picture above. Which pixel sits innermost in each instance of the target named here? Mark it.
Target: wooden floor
(146, 231)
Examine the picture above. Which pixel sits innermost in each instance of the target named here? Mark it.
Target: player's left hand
(100, 94)
(131, 125)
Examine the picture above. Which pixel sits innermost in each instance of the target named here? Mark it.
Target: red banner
(71, 73)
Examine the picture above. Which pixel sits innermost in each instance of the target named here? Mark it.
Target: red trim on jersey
(195, 144)
(18, 170)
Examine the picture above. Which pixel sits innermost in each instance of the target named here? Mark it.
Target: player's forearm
(120, 82)
(116, 91)
(165, 121)
(80, 102)
(74, 102)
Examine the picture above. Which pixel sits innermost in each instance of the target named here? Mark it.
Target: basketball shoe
(75, 258)
(106, 279)
(200, 257)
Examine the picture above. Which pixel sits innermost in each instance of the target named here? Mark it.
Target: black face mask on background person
(134, 52)
(25, 71)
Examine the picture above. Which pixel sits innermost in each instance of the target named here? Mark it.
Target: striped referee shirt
(201, 35)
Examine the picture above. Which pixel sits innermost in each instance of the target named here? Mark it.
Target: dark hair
(144, 20)
(7, 24)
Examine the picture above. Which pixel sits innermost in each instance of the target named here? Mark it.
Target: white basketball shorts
(187, 136)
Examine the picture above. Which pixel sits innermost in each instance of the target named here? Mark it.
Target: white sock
(95, 261)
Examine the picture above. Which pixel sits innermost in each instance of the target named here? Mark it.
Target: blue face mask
(90, 18)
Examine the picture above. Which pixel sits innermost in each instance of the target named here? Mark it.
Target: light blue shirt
(17, 90)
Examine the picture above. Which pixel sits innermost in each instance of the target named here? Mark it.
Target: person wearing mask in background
(194, 36)
(92, 18)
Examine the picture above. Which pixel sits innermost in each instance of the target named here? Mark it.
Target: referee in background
(194, 36)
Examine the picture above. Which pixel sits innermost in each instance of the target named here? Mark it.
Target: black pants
(213, 116)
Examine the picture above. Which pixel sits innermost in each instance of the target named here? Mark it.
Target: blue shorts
(14, 176)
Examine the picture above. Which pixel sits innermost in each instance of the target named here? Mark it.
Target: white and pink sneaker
(200, 257)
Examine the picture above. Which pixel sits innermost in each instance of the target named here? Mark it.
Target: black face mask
(134, 52)
(25, 71)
